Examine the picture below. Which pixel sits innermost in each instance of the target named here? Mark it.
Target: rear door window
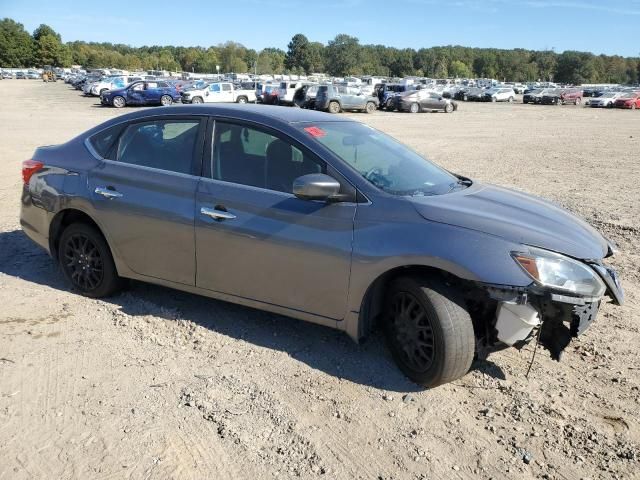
(170, 145)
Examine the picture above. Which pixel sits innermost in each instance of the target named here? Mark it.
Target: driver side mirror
(316, 186)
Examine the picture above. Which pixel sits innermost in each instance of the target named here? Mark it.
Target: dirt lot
(160, 384)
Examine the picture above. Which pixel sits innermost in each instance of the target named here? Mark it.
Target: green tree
(315, 57)
(298, 56)
(575, 67)
(343, 55)
(45, 30)
(16, 45)
(459, 69)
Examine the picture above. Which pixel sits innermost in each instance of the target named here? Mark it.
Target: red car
(631, 101)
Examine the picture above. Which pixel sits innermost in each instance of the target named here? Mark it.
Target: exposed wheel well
(373, 303)
(61, 221)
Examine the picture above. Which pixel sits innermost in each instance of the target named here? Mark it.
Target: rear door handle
(217, 214)
(108, 192)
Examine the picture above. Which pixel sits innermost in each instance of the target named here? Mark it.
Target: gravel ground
(159, 384)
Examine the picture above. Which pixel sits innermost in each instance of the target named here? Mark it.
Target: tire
(448, 108)
(166, 100)
(414, 108)
(86, 261)
(389, 107)
(510, 100)
(578, 101)
(465, 98)
(241, 100)
(633, 106)
(430, 335)
(559, 102)
(119, 101)
(370, 107)
(334, 107)
(196, 100)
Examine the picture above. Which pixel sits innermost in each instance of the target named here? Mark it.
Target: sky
(600, 26)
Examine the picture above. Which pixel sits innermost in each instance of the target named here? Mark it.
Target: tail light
(29, 167)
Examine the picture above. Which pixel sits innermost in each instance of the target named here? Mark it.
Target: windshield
(383, 161)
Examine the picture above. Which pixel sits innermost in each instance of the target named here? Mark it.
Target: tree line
(341, 56)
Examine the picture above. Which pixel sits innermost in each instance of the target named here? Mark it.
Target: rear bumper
(34, 220)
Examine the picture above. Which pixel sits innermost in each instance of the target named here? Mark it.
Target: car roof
(267, 114)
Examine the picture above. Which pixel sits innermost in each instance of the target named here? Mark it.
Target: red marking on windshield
(315, 131)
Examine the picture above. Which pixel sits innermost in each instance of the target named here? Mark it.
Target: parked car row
(20, 75)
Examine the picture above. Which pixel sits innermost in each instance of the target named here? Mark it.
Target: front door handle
(108, 192)
(217, 214)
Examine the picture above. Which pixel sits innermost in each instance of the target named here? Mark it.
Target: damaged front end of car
(560, 304)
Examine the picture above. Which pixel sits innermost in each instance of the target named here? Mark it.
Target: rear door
(227, 94)
(144, 194)
(152, 92)
(255, 239)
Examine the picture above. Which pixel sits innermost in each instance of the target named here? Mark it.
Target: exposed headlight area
(559, 272)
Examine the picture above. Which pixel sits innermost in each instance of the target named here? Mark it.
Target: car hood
(517, 217)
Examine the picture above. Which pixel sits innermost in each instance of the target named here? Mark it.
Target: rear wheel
(448, 108)
(578, 101)
(414, 108)
(119, 101)
(558, 101)
(370, 107)
(166, 100)
(633, 106)
(334, 107)
(494, 99)
(511, 99)
(86, 261)
(429, 332)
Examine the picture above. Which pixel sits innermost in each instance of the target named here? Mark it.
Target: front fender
(405, 241)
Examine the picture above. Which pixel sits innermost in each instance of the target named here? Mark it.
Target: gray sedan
(319, 218)
(425, 101)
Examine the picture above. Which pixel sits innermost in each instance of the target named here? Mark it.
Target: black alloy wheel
(83, 263)
(413, 331)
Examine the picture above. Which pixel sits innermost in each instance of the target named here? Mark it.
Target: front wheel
(166, 100)
(196, 100)
(448, 108)
(370, 107)
(414, 108)
(86, 261)
(578, 101)
(334, 107)
(511, 99)
(119, 102)
(241, 100)
(428, 330)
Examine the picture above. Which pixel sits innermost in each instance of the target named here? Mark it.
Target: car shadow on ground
(322, 348)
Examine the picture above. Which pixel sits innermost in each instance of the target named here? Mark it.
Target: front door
(256, 240)
(145, 196)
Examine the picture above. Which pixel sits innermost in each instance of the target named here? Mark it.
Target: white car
(500, 95)
(607, 99)
(112, 83)
(287, 91)
(219, 92)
